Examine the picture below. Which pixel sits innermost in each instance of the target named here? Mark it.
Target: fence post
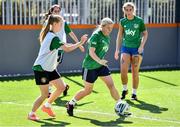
(146, 3)
(8, 16)
(85, 11)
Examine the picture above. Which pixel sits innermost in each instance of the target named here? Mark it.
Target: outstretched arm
(70, 47)
(73, 36)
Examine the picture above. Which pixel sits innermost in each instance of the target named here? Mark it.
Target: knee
(61, 87)
(135, 61)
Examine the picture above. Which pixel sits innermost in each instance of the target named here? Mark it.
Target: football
(121, 108)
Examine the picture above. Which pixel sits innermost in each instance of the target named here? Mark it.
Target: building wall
(19, 49)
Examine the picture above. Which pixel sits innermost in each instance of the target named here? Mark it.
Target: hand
(116, 55)
(140, 50)
(84, 38)
(103, 62)
(82, 48)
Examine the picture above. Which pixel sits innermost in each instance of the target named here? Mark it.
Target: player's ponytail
(51, 19)
(45, 30)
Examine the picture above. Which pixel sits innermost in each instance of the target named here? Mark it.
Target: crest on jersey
(136, 26)
(43, 79)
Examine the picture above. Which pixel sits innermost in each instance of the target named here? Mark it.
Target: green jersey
(101, 44)
(132, 31)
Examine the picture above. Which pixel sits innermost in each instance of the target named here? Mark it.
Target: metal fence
(84, 11)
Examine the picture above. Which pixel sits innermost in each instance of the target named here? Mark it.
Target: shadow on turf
(72, 80)
(16, 78)
(172, 84)
(116, 122)
(60, 102)
(145, 106)
(52, 122)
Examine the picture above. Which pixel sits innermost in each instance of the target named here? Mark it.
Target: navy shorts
(130, 51)
(92, 75)
(44, 77)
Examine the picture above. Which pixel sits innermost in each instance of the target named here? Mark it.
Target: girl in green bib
(131, 37)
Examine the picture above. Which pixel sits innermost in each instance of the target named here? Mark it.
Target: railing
(84, 11)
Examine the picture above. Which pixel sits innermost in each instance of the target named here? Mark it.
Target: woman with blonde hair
(94, 64)
(131, 37)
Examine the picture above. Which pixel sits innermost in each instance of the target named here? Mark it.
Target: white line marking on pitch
(102, 113)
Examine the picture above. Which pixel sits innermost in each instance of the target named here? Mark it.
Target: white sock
(125, 87)
(47, 104)
(31, 113)
(134, 91)
(73, 101)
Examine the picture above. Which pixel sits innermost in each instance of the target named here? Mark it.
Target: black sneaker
(65, 91)
(124, 93)
(69, 109)
(134, 97)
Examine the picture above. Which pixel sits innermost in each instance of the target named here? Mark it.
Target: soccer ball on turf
(121, 108)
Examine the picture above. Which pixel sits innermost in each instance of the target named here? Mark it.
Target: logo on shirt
(94, 43)
(136, 26)
(130, 32)
(43, 80)
(105, 48)
(103, 41)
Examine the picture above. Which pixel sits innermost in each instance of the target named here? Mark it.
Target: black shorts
(44, 77)
(92, 75)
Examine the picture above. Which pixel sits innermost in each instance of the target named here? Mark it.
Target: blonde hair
(131, 4)
(51, 19)
(106, 21)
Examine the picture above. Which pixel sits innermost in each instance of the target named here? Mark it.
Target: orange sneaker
(48, 111)
(33, 117)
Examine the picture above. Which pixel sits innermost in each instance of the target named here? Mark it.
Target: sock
(125, 87)
(47, 104)
(31, 113)
(134, 91)
(119, 100)
(73, 101)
